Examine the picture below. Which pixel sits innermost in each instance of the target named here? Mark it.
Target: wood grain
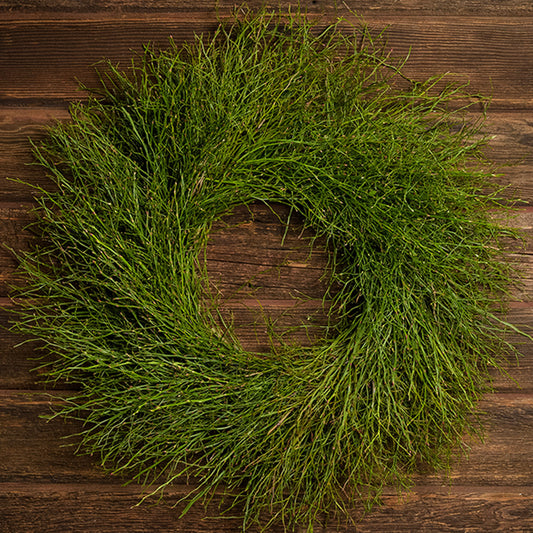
(97, 508)
(15, 238)
(42, 59)
(19, 126)
(17, 8)
(17, 359)
(83, 508)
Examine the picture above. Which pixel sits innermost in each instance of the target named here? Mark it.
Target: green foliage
(272, 110)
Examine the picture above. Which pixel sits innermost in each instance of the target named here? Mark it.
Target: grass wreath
(270, 109)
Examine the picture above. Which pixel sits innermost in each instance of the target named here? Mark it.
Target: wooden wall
(45, 45)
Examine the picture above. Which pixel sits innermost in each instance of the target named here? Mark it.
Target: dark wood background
(45, 45)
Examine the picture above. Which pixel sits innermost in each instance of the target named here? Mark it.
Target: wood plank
(94, 508)
(505, 446)
(518, 371)
(296, 322)
(14, 238)
(511, 142)
(520, 219)
(477, 510)
(97, 508)
(16, 8)
(258, 258)
(17, 126)
(510, 146)
(252, 254)
(42, 59)
(17, 360)
(37, 449)
(34, 450)
(260, 325)
(524, 261)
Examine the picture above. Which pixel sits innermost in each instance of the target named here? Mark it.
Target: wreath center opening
(269, 277)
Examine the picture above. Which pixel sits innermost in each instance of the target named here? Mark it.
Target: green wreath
(272, 110)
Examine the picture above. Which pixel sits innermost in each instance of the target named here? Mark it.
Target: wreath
(275, 109)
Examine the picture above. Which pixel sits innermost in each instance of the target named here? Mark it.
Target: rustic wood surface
(45, 47)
